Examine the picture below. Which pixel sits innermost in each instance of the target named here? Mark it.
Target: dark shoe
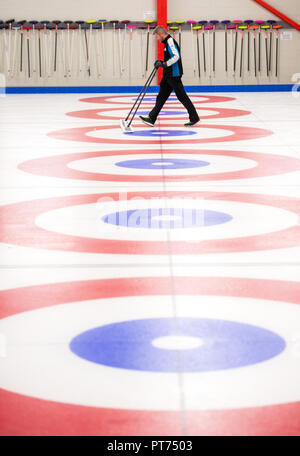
(147, 121)
(190, 124)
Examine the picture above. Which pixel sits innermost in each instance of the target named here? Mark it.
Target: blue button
(162, 133)
(162, 163)
(222, 345)
(166, 218)
(154, 99)
(163, 113)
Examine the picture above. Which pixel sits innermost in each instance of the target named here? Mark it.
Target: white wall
(108, 72)
(229, 9)
(75, 9)
(134, 9)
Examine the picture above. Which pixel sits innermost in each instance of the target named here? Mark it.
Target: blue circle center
(162, 163)
(150, 98)
(224, 345)
(163, 113)
(162, 133)
(166, 218)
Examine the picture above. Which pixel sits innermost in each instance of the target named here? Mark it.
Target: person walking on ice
(172, 73)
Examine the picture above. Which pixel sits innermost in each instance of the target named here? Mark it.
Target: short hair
(160, 29)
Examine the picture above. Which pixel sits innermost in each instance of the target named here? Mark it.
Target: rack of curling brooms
(42, 49)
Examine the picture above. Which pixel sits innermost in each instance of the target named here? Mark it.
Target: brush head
(124, 126)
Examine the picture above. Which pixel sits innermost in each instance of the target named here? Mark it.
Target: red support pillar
(161, 12)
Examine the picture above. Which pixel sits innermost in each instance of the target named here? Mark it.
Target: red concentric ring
(21, 216)
(107, 99)
(238, 134)
(57, 166)
(222, 113)
(45, 417)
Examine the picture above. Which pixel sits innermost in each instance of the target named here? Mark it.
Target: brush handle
(204, 52)
(235, 49)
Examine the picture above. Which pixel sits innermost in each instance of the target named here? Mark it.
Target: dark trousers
(167, 85)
